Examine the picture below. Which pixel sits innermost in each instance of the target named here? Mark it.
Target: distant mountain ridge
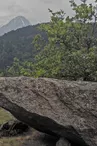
(14, 24)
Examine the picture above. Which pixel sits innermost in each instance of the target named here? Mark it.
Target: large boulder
(62, 108)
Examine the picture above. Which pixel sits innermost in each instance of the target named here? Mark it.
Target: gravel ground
(38, 139)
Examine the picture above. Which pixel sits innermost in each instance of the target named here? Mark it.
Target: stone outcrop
(60, 108)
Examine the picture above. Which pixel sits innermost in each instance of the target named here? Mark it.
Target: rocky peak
(15, 23)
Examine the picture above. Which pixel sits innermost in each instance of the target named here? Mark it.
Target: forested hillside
(18, 44)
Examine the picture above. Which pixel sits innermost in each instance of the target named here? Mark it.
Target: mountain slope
(14, 24)
(18, 44)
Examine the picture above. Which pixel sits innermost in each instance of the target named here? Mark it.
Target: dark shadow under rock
(13, 128)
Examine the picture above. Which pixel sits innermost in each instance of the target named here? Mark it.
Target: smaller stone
(63, 142)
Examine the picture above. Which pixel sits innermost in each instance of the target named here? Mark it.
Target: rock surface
(63, 108)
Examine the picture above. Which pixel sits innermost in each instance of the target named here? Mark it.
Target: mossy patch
(4, 116)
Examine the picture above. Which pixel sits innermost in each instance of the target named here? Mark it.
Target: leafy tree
(19, 68)
(71, 49)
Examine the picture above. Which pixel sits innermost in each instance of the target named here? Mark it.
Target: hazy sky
(34, 10)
